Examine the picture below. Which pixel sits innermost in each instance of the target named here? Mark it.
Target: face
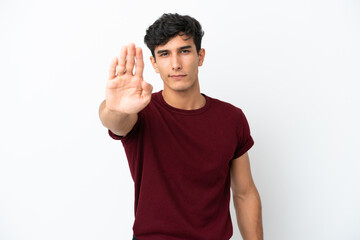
(177, 62)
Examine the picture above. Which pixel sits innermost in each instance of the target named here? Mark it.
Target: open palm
(126, 91)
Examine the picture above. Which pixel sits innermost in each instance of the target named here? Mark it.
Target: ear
(201, 56)
(153, 62)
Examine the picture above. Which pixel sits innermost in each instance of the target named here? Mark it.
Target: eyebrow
(181, 48)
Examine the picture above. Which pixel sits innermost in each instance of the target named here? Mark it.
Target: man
(184, 148)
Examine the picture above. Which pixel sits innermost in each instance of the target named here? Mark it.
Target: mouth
(177, 76)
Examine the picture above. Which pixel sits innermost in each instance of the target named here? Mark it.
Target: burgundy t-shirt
(180, 161)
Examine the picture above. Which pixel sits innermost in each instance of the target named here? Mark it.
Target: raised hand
(126, 91)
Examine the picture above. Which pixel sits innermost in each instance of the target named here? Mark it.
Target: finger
(112, 70)
(130, 62)
(122, 61)
(139, 68)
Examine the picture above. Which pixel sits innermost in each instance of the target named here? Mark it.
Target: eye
(185, 51)
(163, 54)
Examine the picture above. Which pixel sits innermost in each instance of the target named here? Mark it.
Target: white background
(292, 66)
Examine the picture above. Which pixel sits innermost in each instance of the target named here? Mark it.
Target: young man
(185, 149)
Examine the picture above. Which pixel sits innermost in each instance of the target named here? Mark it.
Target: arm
(126, 92)
(246, 199)
(119, 123)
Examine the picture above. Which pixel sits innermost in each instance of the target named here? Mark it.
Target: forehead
(176, 43)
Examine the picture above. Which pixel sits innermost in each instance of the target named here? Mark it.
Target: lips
(178, 76)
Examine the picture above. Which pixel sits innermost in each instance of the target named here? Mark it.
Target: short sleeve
(130, 134)
(245, 141)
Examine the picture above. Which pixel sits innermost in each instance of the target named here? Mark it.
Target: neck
(186, 100)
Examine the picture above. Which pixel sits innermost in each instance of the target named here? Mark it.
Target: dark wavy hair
(172, 24)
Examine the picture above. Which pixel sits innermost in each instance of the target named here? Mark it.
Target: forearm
(118, 123)
(248, 214)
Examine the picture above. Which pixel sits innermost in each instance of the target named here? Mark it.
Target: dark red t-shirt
(180, 161)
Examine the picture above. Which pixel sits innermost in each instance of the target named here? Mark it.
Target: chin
(180, 87)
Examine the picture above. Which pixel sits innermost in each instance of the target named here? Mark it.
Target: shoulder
(231, 114)
(225, 107)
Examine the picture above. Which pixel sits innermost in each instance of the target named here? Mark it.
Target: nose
(175, 63)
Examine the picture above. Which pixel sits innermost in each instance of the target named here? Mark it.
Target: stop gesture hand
(126, 91)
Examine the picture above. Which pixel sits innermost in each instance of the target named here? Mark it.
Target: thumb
(147, 88)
